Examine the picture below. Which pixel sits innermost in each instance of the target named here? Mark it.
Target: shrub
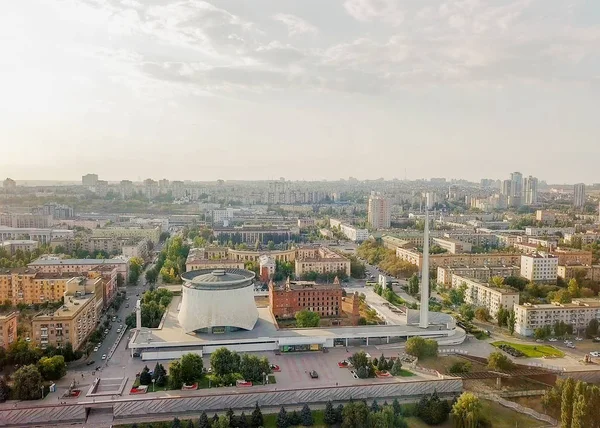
(460, 367)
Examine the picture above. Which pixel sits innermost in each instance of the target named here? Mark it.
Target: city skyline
(313, 90)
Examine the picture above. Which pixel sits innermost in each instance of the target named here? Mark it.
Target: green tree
(307, 318)
(499, 362)
(242, 421)
(294, 418)
(482, 314)
(359, 359)
(282, 419)
(374, 406)
(355, 415)
(203, 421)
(191, 368)
(306, 416)
(566, 409)
(176, 423)
(511, 322)
(467, 312)
(5, 390)
(382, 363)
(222, 422)
(460, 367)
(52, 368)
(145, 377)
(591, 330)
(574, 288)
(413, 285)
(19, 352)
(467, 411)
(175, 375)
(27, 383)
(329, 417)
(502, 317)
(396, 368)
(256, 420)
(224, 362)
(421, 348)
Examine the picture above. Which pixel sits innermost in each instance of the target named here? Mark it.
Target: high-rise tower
(424, 314)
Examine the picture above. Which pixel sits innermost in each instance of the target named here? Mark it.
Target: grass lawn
(405, 373)
(272, 379)
(533, 351)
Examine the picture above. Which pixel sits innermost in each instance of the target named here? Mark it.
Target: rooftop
(302, 285)
(55, 261)
(209, 279)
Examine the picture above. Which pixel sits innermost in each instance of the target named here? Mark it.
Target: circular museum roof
(218, 279)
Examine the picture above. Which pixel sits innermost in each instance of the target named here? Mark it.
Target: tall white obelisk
(424, 316)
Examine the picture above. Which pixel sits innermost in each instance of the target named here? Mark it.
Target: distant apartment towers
(519, 191)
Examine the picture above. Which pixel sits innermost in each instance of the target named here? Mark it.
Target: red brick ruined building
(295, 296)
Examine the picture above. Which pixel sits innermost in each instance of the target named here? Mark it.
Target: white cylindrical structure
(222, 299)
(424, 314)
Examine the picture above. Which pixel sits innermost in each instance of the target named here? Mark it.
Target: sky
(301, 89)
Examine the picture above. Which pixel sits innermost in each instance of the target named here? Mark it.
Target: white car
(595, 354)
(95, 349)
(553, 339)
(570, 345)
(579, 338)
(104, 356)
(118, 330)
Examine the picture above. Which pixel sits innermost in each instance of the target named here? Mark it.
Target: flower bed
(383, 374)
(74, 393)
(275, 368)
(242, 383)
(192, 387)
(139, 390)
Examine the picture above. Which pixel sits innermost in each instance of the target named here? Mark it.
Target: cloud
(375, 10)
(296, 26)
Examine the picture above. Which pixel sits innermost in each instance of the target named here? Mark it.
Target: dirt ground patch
(534, 403)
(443, 362)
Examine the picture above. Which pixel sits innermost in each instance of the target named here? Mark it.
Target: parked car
(553, 339)
(95, 349)
(118, 330)
(313, 374)
(579, 338)
(89, 363)
(595, 354)
(570, 345)
(104, 356)
(106, 331)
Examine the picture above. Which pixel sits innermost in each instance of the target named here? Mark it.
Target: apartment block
(151, 233)
(295, 296)
(480, 239)
(379, 211)
(482, 274)
(547, 231)
(13, 246)
(8, 329)
(320, 260)
(78, 266)
(137, 249)
(584, 238)
(353, 233)
(250, 235)
(413, 237)
(75, 320)
(27, 220)
(305, 223)
(474, 260)
(539, 267)
(485, 295)
(578, 314)
(29, 286)
(453, 246)
(567, 256)
(545, 216)
(567, 272)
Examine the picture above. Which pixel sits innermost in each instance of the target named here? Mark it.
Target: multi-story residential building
(516, 189)
(486, 295)
(453, 246)
(44, 236)
(547, 231)
(415, 257)
(151, 233)
(137, 249)
(579, 195)
(545, 216)
(567, 272)
(250, 235)
(211, 258)
(507, 240)
(414, 237)
(267, 266)
(78, 266)
(9, 185)
(25, 220)
(13, 246)
(567, 256)
(320, 260)
(89, 180)
(305, 223)
(539, 267)
(480, 239)
(482, 274)
(8, 329)
(353, 233)
(584, 238)
(295, 296)
(222, 216)
(548, 242)
(55, 211)
(530, 186)
(75, 320)
(379, 211)
(578, 314)
(29, 286)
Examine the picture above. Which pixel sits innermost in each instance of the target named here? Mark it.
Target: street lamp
(264, 378)
(42, 391)
(153, 382)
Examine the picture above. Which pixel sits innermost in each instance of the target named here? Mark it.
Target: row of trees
(21, 353)
(27, 380)
(226, 363)
(574, 404)
(366, 368)
(154, 304)
(136, 265)
(172, 260)
(375, 253)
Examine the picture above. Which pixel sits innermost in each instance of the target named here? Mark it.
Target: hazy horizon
(307, 90)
